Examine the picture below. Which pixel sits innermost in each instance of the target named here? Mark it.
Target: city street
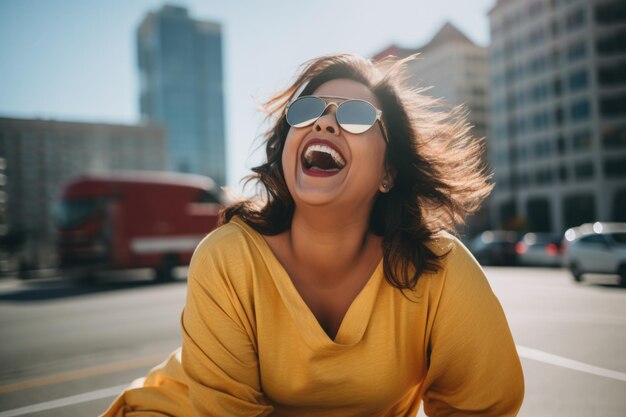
(67, 349)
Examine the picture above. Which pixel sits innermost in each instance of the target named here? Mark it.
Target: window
(537, 36)
(554, 29)
(207, 197)
(580, 110)
(519, 72)
(583, 170)
(578, 80)
(581, 140)
(579, 209)
(576, 51)
(614, 137)
(619, 206)
(593, 239)
(543, 176)
(560, 145)
(613, 106)
(521, 153)
(558, 116)
(615, 167)
(537, 65)
(575, 20)
(539, 217)
(563, 173)
(541, 120)
(614, 12)
(542, 149)
(521, 125)
(555, 58)
(539, 92)
(557, 87)
(615, 43)
(612, 75)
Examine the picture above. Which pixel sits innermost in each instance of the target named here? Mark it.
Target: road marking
(84, 373)
(523, 351)
(63, 402)
(541, 356)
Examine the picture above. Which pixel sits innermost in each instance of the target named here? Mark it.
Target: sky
(76, 60)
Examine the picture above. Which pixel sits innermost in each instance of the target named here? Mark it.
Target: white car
(598, 248)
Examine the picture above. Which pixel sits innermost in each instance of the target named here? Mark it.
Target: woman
(342, 294)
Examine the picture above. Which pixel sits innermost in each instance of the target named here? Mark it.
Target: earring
(385, 187)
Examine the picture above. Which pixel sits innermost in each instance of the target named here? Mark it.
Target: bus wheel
(165, 271)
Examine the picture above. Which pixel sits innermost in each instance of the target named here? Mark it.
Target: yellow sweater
(252, 347)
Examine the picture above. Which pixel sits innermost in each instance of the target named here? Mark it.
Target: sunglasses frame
(329, 101)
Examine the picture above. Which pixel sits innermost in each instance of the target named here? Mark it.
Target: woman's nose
(327, 122)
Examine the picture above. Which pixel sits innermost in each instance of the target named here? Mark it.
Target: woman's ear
(389, 178)
(390, 174)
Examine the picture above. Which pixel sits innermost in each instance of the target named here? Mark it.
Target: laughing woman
(344, 292)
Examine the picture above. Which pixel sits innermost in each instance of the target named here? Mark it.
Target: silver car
(539, 249)
(598, 248)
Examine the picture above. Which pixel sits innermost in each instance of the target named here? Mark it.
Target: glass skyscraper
(180, 65)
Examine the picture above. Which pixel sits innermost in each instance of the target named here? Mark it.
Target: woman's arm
(473, 368)
(219, 346)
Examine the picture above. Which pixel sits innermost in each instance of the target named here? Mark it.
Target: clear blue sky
(75, 59)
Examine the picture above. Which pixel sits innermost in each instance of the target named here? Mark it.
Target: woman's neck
(331, 243)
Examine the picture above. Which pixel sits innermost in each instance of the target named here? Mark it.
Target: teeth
(308, 154)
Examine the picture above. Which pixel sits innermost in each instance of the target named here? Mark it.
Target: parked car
(596, 248)
(539, 249)
(494, 247)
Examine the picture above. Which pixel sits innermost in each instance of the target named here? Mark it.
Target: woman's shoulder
(457, 264)
(445, 244)
(227, 241)
(226, 259)
(459, 273)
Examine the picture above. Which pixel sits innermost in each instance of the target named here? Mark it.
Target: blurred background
(123, 122)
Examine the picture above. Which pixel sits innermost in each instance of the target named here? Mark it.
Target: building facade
(40, 156)
(455, 69)
(558, 112)
(181, 79)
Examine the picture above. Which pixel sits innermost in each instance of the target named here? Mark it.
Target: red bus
(131, 220)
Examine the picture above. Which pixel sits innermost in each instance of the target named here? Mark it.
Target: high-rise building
(456, 70)
(558, 112)
(40, 156)
(180, 66)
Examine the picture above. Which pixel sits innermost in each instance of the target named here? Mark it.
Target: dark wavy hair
(439, 174)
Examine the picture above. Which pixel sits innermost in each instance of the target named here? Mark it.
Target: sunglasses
(353, 115)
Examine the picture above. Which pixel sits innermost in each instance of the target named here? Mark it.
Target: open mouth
(323, 159)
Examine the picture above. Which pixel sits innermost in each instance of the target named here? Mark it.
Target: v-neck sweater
(252, 347)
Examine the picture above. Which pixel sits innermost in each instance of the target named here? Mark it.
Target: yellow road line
(84, 373)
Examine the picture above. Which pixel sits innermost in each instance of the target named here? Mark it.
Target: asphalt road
(67, 350)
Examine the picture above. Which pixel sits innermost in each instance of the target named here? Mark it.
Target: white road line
(541, 356)
(62, 402)
(523, 351)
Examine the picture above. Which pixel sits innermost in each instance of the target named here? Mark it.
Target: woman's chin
(315, 197)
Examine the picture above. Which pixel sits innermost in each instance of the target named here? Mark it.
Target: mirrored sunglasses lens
(356, 116)
(304, 111)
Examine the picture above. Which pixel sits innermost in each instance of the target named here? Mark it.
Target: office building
(180, 68)
(39, 156)
(456, 70)
(558, 112)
